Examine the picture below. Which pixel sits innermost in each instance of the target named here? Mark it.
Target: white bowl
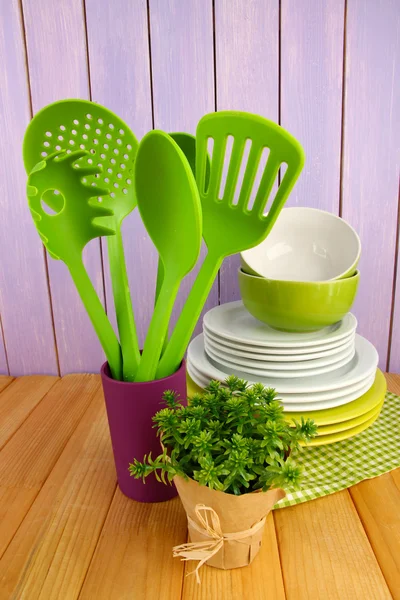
(305, 244)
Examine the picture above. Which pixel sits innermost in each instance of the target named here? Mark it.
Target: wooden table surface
(67, 532)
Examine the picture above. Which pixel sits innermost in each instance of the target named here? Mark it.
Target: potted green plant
(230, 453)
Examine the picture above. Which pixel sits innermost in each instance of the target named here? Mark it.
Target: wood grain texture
(18, 400)
(183, 82)
(371, 156)
(5, 381)
(4, 370)
(262, 580)
(325, 552)
(66, 518)
(120, 79)
(311, 95)
(134, 556)
(57, 60)
(29, 456)
(378, 509)
(247, 75)
(24, 298)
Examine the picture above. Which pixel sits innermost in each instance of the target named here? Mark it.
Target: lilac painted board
(371, 157)
(183, 77)
(57, 59)
(120, 80)
(247, 69)
(311, 95)
(24, 298)
(3, 359)
(394, 357)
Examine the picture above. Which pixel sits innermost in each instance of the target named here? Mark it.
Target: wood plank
(18, 401)
(5, 381)
(377, 502)
(120, 80)
(325, 552)
(371, 157)
(262, 580)
(394, 350)
(24, 299)
(57, 60)
(28, 458)
(134, 556)
(311, 95)
(393, 382)
(51, 551)
(247, 75)
(4, 370)
(396, 477)
(181, 36)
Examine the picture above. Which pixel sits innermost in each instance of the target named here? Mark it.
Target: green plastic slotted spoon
(169, 204)
(77, 217)
(230, 227)
(80, 124)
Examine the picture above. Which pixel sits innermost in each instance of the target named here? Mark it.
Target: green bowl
(296, 305)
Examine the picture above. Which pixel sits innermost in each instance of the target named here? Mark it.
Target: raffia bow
(203, 551)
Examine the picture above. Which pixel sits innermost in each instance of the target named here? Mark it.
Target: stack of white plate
(310, 371)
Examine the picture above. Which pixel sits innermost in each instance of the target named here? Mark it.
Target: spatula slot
(210, 150)
(227, 160)
(242, 170)
(259, 173)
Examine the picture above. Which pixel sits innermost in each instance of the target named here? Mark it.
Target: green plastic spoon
(230, 227)
(74, 221)
(187, 143)
(80, 124)
(169, 204)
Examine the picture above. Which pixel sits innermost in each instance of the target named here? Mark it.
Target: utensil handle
(176, 348)
(160, 279)
(157, 329)
(98, 317)
(123, 307)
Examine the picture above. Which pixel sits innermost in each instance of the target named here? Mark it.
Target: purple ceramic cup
(130, 408)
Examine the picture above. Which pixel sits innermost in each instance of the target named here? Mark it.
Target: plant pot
(130, 408)
(241, 515)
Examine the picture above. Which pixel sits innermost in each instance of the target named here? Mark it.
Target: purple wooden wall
(328, 71)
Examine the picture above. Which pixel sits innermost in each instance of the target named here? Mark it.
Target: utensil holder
(130, 408)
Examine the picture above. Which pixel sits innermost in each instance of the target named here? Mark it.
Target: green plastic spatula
(228, 226)
(83, 125)
(77, 217)
(169, 204)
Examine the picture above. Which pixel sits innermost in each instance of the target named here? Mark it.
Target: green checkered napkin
(337, 466)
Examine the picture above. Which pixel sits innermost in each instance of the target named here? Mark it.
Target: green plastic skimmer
(111, 147)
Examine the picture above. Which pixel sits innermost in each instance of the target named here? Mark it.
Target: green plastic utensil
(80, 124)
(230, 227)
(77, 217)
(169, 204)
(187, 143)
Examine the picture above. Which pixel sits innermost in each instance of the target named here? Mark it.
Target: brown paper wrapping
(236, 514)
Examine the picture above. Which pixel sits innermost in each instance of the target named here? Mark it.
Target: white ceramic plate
(262, 362)
(279, 353)
(306, 355)
(353, 390)
(231, 321)
(298, 406)
(362, 365)
(227, 366)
